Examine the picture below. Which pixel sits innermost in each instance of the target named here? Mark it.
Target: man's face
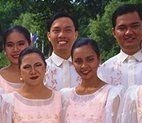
(62, 35)
(128, 32)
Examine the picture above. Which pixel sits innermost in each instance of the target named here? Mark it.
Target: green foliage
(3, 60)
(10, 10)
(28, 21)
(135, 1)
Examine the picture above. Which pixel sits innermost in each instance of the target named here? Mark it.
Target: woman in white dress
(15, 39)
(32, 103)
(93, 101)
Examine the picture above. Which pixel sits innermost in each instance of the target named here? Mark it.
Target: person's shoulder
(56, 94)
(49, 62)
(66, 94)
(66, 91)
(3, 70)
(110, 60)
(7, 97)
(48, 59)
(117, 90)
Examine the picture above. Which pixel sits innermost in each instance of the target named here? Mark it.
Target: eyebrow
(68, 26)
(16, 42)
(129, 24)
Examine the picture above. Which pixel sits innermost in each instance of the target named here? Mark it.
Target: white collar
(137, 56)
(58, 60)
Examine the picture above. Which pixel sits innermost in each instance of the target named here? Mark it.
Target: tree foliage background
(94, 17)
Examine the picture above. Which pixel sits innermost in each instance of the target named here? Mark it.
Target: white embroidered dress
(9, 86)
(15, 108)
(98, 107)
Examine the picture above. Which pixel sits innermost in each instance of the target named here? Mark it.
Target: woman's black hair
(16, 28)
(30, 50)
(86, 41)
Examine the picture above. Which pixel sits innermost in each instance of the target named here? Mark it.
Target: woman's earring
(21, 78)
(5, 53)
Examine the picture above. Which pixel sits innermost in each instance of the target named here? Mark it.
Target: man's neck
(63, 55)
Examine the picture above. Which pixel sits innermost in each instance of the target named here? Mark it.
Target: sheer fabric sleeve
(129, 114)
(5, 109)
(112, 108)
(66, 95)
(1, 90)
